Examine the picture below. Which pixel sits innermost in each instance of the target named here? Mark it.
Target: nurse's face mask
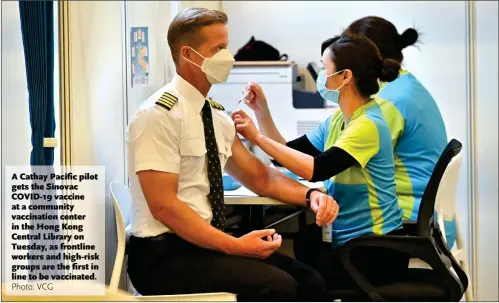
(332, 95)
(216, 68)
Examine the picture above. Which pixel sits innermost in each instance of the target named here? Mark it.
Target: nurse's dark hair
(362, 57)
(385, 35)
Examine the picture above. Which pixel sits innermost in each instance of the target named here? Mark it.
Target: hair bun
(408, 37)
(390, 70)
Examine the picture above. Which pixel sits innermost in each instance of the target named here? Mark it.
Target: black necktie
(216, 195)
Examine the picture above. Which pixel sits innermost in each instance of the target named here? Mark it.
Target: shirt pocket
(192, 147)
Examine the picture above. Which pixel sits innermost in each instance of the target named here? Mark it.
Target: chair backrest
(122, 203)
(445, 203)
(443, 180)
(122, 196)
(427, 207)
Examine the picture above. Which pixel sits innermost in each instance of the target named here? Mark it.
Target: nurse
(351, 151)
(417, 127)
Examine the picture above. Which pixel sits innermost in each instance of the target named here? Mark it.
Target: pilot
(178, 144)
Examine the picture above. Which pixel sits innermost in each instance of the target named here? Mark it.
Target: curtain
(37, 28)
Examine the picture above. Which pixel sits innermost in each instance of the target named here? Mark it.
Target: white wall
(206, 4)
(486, 150)
(98, 119)
(156, 15)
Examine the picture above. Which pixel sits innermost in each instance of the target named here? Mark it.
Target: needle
(244, 96)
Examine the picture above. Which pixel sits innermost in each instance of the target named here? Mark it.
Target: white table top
(243, 196)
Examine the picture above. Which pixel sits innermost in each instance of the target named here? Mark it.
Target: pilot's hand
(252, 245)
(255, 99)
(244, 125)
(325, 207)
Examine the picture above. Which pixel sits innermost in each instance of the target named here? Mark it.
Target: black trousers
(377, 265)
(172, 265)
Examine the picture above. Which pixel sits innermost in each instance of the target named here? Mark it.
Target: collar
(361, 110)
(189, 92)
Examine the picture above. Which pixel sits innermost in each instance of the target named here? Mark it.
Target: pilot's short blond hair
(185, 28)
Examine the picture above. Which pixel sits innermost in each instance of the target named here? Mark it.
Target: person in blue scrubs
(417, 126)
(351, 151)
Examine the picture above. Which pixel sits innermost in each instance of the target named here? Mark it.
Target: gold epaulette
(215, 105)
(167, 101)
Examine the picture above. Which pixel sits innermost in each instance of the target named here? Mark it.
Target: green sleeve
(360, 139)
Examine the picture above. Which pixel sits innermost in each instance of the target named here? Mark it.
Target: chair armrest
(416, 247)
(294, 214)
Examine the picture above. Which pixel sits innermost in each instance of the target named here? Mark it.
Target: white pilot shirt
(173, 141)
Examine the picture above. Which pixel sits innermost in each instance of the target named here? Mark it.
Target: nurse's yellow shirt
(365, 192)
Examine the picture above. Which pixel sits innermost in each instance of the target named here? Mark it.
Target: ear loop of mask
(198, 55)
(327, 77)
(335, 73)
(340, 87)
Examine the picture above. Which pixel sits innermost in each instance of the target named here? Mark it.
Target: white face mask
(218, 67)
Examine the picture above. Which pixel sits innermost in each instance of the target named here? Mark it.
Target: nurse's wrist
(258, 139)
(262, 114)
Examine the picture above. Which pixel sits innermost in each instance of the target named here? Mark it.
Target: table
(243, 196)
(255, 214)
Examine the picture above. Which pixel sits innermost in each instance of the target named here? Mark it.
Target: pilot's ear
(186, 52)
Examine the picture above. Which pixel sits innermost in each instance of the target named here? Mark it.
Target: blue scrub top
(365, 192)
(418, 136)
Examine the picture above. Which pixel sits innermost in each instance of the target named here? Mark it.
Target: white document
(327, 233)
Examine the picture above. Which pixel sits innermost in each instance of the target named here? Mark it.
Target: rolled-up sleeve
(154, 139)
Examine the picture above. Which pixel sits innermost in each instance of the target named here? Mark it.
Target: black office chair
(423, 241)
